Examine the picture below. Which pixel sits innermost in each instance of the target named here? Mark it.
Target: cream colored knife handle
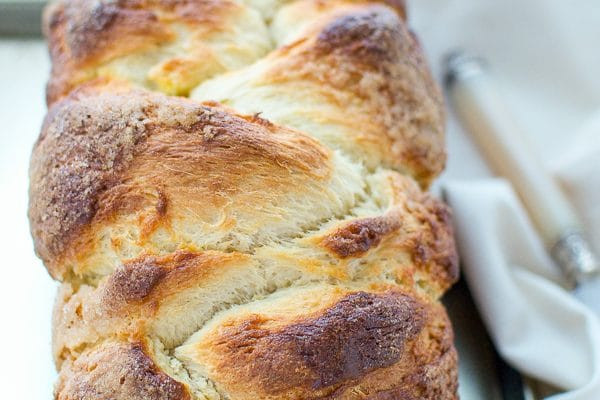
(480, 108)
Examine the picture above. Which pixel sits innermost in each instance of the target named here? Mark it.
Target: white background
(26, 290)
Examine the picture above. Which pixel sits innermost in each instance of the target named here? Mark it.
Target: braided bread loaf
(231, 195)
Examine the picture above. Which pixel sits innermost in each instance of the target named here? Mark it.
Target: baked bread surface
(231, 194)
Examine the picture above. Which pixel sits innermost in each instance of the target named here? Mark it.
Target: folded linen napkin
(539, 327)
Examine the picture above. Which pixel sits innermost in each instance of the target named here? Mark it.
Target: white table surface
(26, 290)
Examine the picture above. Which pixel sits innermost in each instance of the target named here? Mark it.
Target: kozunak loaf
(232, 195)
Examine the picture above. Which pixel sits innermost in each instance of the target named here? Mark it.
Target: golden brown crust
(368, 35)
(370, 53)
(79, 154)
(117, 371)
(416, 224)
(360, 333)
(138, 295)
(271, 242)
(359, 236)
(89, 29)
(358, 50)
(355, 65)
(91, 145)
(426, 371)
(439, 249)
(419, 254)
(147, 280)
(355, 345)
(136, 280)
(135, 297)
(434, 381)
(86, 36)
(82, 32)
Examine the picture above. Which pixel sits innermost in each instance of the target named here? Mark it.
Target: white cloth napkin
(545, 55)
(537, 326)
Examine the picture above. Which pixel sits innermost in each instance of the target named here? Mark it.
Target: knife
(479, 106)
